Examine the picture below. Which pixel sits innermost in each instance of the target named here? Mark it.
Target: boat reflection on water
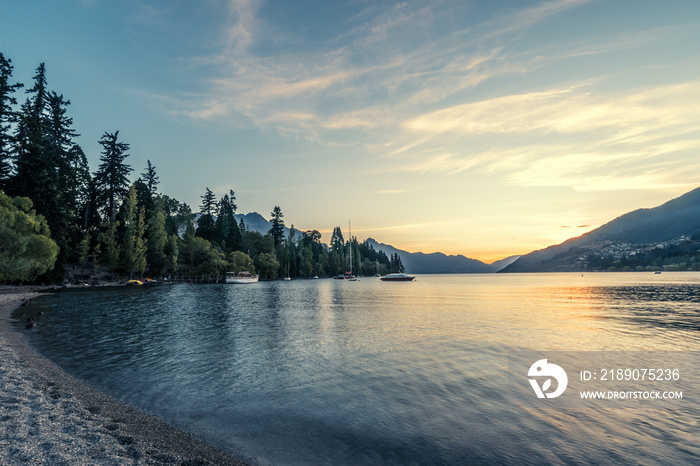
(241, 278)
(397, 277)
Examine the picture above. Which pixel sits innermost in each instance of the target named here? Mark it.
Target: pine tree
(337, 241)
(43, 169)
(111, 178)
(229, 234)
(60, 204)
(80, 188)
(8, 116)
(32, 169)
(150, 178)
(206, 227)
(277, 230)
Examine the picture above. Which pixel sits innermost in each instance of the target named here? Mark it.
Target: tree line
(58, 216)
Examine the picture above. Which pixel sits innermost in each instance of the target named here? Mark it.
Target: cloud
(381, 65)
(569, 110)
(437, 104)
(239, 34)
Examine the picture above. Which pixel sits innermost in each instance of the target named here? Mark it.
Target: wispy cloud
(241, 25)
(415, 100)
(378, 69)
(569, 110)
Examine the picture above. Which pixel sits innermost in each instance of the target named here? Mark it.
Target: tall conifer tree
(111, 178)
(277, 230)
(206, 227)
(8, 116)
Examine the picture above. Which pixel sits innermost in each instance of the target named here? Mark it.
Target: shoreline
(48, 416)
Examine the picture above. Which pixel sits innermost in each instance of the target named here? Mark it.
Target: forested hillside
(112, 222)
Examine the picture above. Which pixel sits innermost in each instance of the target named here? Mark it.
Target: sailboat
(350, 276)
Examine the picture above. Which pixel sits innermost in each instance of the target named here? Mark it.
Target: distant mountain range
(668, 223)
(671, 222)
(416, 262)
(256, 222)
(437, 262)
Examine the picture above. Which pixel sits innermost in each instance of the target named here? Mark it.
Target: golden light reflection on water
(545, 311)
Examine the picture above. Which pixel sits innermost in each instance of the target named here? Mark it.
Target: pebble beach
(49, 417)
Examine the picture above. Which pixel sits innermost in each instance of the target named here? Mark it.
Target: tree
(8, 116)
(111, 245)
(84, 251)
(26, 248)
(157, 240)
(277, 230)
(32, 169)
(140, 243)
(61, 201)
(134, 236)
(396, 265)
(310, 237)
(150, 178)
(81, 189)
(203, 258)
(171, 253)
(226, 225)
(337, 241)
(240, 262)
(255, 243)
(43, 170)
(177, 215)
(206, 227)
(111, 178)
(266, 265)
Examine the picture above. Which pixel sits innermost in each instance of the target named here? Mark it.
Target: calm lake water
(371, 372)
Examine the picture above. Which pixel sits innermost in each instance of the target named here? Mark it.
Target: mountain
(437, 262)
(503, 263)
(256, 222)
(416, 262)
(630, 233)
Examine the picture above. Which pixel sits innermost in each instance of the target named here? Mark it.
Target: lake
(370, 372)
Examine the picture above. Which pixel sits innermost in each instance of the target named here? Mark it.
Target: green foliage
(204, 259)
(157, 240)
(110, 244)
(125, 226)
(267, 266)
(206, 226)
(229, 235)
(277, 230)
(240, 262)
(337, 241)
(112, 176)
(8, 116)
(150, 178)
(172, 253)
(84, 251)
(255, 243)
(135, 235)
(26, 248)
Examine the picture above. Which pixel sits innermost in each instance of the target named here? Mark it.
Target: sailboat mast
(350, 235)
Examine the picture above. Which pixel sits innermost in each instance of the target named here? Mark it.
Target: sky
(486, 129)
